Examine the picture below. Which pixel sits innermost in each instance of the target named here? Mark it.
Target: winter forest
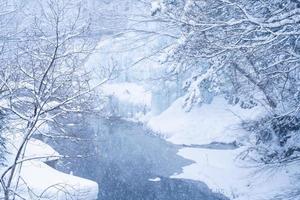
(149, 99)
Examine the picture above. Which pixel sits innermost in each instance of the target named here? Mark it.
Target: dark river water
(122, 156)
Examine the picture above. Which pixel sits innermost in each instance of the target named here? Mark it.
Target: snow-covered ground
(223, 173)
(40, 181)
(52, 184)
(215, 122)
(129, 93)
(126, 100)
(220, 169)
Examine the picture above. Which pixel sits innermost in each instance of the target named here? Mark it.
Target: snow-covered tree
(248, 51)
(43, 76)
(8, 27)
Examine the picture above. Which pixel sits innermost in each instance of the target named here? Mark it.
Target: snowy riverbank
(40, 181)
(126, 100)
(219, 168)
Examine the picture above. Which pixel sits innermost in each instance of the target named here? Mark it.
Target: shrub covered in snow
(276, 139)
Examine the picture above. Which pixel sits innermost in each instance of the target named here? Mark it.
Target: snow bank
(37, 148)
(40, 181)
(130, 93)
(47, 183)
(219, 168)
(126, 100)
(215, 122)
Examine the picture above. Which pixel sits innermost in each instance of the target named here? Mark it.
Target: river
(128, 161)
